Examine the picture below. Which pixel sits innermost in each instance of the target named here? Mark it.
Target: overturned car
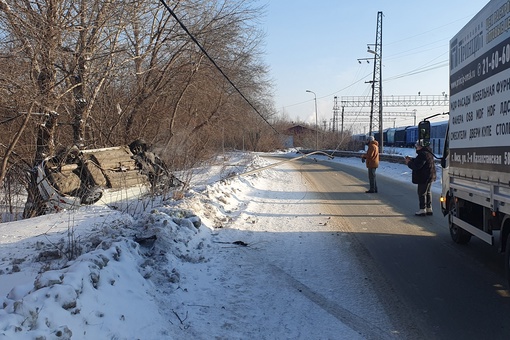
(77, 177)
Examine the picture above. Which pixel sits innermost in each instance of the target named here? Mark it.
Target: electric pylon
(377, 80)
(335, 114)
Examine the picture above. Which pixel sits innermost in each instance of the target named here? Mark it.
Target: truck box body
(476, 159)
(479, 124)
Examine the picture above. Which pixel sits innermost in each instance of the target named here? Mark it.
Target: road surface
(449, 291)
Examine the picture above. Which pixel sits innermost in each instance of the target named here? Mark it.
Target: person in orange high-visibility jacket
(371, 158)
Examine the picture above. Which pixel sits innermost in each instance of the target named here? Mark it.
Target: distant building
(302, 136)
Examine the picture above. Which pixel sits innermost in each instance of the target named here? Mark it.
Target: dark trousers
(372, 179)
(424, 195)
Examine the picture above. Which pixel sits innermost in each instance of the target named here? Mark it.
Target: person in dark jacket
(371, 157)
(424, 173)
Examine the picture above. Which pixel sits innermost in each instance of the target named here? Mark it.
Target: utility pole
(377, 79)
(335, 114)
(342, 126)
(376, 82)
(316, 121)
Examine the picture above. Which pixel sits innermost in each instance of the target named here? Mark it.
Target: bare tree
(64, 41)
(100, 73)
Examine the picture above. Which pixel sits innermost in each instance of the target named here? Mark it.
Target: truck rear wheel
(459, 235)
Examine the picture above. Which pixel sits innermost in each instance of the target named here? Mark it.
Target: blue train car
(437, 136)
(376, 135)
(360, 137)
(406, 136)
(390, 137)
(385, 136)
(411, 136)
(400, 136)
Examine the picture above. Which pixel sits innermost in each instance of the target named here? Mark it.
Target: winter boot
(421, 212)
(428, 211)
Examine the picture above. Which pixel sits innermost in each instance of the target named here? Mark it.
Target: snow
(225, 262)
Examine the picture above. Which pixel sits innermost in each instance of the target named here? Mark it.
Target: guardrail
(382, 157)
(328, 153)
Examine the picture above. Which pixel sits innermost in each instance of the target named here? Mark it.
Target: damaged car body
(77, 177)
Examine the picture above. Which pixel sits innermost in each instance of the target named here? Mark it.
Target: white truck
(476, 158)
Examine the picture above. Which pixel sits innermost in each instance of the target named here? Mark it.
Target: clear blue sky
(314, 45)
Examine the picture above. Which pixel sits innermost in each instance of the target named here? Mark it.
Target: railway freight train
(406, 136)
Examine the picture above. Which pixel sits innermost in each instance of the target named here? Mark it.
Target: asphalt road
(439, 290)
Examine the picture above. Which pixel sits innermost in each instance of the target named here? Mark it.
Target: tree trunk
(35, 205)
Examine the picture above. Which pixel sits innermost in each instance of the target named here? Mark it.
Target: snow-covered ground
(208, 266)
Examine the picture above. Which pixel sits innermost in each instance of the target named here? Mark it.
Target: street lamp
(316, 126)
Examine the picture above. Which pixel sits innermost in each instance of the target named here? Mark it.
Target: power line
(440, 64)
(172, 13)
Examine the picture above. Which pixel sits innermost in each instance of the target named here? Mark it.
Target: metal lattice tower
(335, 114)
(399, 100)
(377, 101)
(377, 81)
(393, 101)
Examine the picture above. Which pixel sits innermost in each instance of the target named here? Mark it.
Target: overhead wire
(426, 32)
(440, 64)
(422, 69)
(425, 68)
(192, 37)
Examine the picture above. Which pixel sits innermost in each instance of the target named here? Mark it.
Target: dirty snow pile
(109, 271)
